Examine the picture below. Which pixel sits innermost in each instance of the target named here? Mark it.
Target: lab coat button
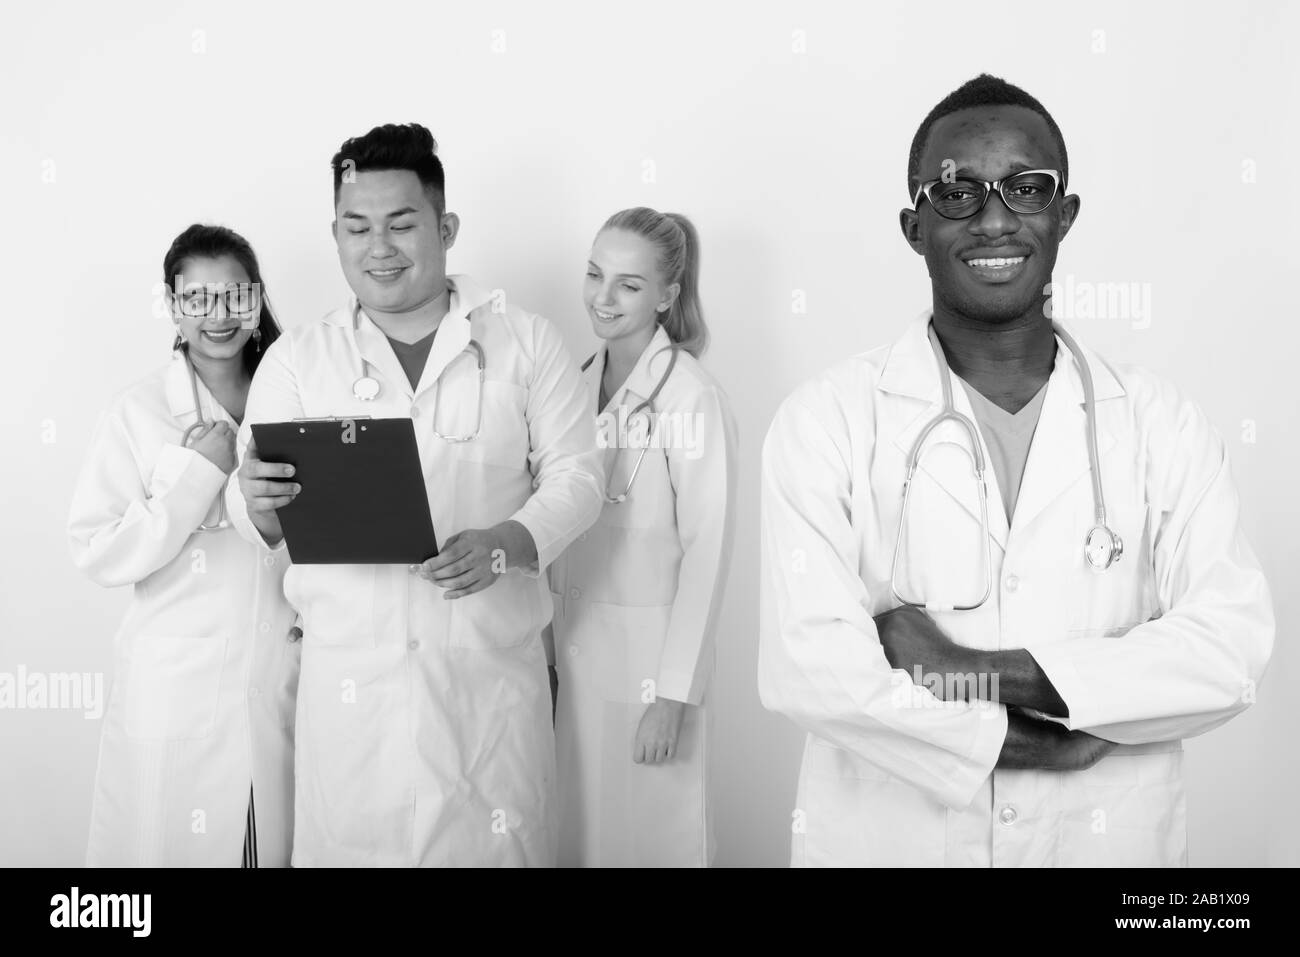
(573, 651)
(1008, 815)
(1012, 582)
(582, 537)
(574, 593)
(264, 627)
(413, 645)
(252, 692)
(295, 634)
(269, 560)
(415, 411)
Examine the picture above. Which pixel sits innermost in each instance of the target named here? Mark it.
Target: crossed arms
(833, 668)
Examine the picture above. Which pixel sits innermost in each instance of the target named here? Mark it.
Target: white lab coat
(1164, 645)
(204, 665)
(424, 725)
(637, 599)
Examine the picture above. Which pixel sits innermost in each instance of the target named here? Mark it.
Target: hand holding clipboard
(361, 495)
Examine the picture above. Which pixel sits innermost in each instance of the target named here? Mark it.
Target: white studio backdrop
(781, 128)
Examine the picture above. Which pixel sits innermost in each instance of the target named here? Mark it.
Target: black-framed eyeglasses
(1029, 191)
(242, 300)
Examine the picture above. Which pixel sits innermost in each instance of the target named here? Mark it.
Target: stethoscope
(646, 407)
(366, 387)
(199, 423)
(1102, 546)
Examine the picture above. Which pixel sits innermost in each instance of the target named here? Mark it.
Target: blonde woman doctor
(196, 758)
(637, 596)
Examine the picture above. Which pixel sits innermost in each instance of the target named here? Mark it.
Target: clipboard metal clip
(333, 418)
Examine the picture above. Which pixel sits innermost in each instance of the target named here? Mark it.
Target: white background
(150, 116)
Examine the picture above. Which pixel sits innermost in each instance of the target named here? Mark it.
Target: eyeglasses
(241, 300)
(1031, 191)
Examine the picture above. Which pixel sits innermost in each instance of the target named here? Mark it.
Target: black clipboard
(363, 500)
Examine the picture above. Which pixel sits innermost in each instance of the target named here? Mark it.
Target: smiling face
(993, 267)
(392, 243)
(219, 335)
(624, 293)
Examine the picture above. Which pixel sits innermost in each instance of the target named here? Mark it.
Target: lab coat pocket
(858, 815)
(502, 616)
(173, 684)
(336, 603)
(502, 438)
(1127, 810)
(1108, 603)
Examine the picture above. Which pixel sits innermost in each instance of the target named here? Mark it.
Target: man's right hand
(1046, 745)
(264, 490)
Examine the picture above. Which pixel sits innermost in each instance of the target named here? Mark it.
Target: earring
(176, 346)
(257, 340)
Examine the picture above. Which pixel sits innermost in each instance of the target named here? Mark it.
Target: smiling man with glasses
(999, 676)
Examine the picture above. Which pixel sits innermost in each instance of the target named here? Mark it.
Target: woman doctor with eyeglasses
(637, 596)
(196, 758)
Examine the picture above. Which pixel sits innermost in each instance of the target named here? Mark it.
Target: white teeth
(221, 336)
(996, 263)
(606, 315)
(384, 272)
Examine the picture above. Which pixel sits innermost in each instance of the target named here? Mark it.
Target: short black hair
(407, 146)
(984, 90)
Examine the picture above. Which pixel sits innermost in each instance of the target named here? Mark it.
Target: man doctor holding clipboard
(424, 711)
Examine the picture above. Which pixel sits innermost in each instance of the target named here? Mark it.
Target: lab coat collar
(451, 340)
(180, 396)
(910, 370)
(1058, 455)
(645, 375)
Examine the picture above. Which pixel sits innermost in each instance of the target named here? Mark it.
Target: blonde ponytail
(679, 262)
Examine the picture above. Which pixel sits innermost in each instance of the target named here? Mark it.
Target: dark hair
(674, 236)
(210, 242)
(408, 146)
(984, 90)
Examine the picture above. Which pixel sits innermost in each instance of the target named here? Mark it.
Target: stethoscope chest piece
(365, 388)
(1102, 547)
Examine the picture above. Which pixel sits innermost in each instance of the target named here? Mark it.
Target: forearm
(1014, 678)
(121, 535)
(828, 678)
(1199, 657)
